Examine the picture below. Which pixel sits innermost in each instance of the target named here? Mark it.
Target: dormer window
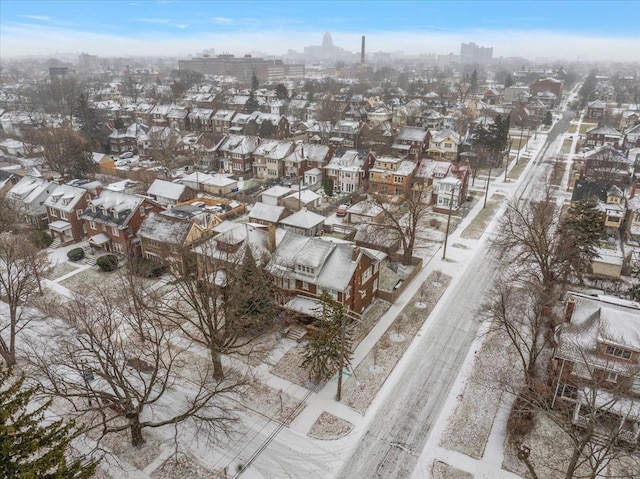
(307, 270)
(115, 214)
(617, 352)
(93, 207)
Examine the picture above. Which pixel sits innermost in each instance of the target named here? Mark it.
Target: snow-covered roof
(65, 198)
(277, 191)
(166, 189)
(411, 133)
(165, 229)
(29, 189)
(303, 219)
(305, 196)
(264, 212)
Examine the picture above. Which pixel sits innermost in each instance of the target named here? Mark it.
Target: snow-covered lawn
(60, 270)
(481, 221)
(469, 427)
(329, 426)
(372, 372)
(290, 368)
(88, 278)
(442, 470)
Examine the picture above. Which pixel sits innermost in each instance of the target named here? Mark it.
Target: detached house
(112, 221)
(391, 176)
(603, 135)
(596, 110)
(345, 133)
(596, 364)
(268, 158)
(411, 140)
(304, 158)
(349, 170)
(303, 267)
(444, 144)
(65, 207)
(236, 153)
(28, 196)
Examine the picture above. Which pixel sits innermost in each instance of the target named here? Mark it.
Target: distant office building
(472, 53)
(243, 67)
(328, 50)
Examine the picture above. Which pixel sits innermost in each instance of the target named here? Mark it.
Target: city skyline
(565, 30)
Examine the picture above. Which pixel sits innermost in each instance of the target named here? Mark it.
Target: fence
(392, 296)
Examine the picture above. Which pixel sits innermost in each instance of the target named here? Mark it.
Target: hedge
(76, 254)
(107, 262)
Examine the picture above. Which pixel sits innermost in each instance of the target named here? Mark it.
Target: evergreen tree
(582, 231)
(508, 81)
(267, 130)
(252, 104)
(29, 446)
(548, 119)
(328, 350)
(328, 186)
(253, 297)
(254, 82)
(281, 92)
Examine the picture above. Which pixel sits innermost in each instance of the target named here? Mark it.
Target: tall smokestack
(362, 51)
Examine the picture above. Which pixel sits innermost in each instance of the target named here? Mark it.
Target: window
(92, 225)
(78, 213)
(115, 231)
(63, 215)
(618, 352)
(52, 212)
(398, 179)
(305, 285)
(367, 274)
(567, 391)
(84, 228)
(448, 145)
(611, 376)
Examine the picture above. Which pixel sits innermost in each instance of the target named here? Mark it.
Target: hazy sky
(586, 30)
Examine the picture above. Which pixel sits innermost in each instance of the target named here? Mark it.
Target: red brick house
(596, 364)
(112, 220)
(548, 84)
(391, 176)
(303, 267)
(65, 207)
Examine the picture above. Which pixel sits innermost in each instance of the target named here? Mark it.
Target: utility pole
(342, 340)
(446, 234)
(486, 192)
(506, 162)
(520, 143)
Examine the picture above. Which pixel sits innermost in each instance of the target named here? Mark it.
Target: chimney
(355, 252)
(362, 51)
(271, 231)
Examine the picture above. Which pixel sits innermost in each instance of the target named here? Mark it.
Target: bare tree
(518, 310)
(123, 374)
(64, 150)
(22, 266)
(594, 441)
(403, 219)
(209, 304)
(163, 144)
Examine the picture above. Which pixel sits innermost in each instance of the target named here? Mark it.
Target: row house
(236, 154)
(113, 219)
(303, 267)
(345, 134)
(596, 365)
(28, 196)
(349, 170)
(65, 207)
(304, 158)
(412, 141)
(391, 176)
(443, 144)
(268, 158)
(603, 135)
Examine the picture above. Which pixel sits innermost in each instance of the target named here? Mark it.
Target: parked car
(126, 154)
(341, 211)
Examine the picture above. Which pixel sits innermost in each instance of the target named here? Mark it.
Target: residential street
(399, 430)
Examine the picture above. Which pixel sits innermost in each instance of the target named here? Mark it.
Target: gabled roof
(586, 190)
(596, 104)
(303, 219)
(65, 197)
(412, 133)
(604, 130)
(166, 189)
(29, 189)
(264, 212)
(109, 201)
(165, 229)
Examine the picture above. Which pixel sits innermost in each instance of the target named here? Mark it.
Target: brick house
(603, 135)
(305, 157)
(411, 140)
(596, 110)
(596, 364)
(391, 176)
(112, 220)
(548, 84)
(236, 153)
(302, 267)
(65, 207)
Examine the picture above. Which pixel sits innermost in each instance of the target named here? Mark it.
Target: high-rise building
(472, 53)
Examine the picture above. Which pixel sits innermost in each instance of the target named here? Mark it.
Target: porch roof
(99, 239)
(304, 305)
(60, 226)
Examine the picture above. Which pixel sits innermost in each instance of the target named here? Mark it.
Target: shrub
(42, 239)
(75, 254)
(522, 417)
(107, 262)
(146, 268)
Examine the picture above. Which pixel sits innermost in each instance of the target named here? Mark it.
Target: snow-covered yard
(329, 426)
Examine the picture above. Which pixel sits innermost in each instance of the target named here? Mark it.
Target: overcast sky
(572, 30)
